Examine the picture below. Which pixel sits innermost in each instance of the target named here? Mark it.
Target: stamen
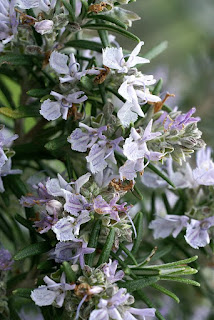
(79, 307)
(75, 63)
(133, 226)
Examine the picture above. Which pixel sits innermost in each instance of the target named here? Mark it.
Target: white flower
(129, 92)
(129, 113)
(113, 58)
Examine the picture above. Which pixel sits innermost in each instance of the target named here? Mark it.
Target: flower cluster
(99, 286)
(65, 210)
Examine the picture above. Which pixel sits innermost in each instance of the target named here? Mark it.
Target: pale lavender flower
(80, 182)
(117, 307)
(203, 174)
(27, 4)
(102, 153)
(180, 121)
(42, 197)
(73, 251)
(57, 187)
(51, 293)
(111, 272)
(44, 26)
(197, 232)
(6, 260)
(113, 58)
(135, 149)
(85, 137)
(46, 222)
(170, 224)
(112, 208)
(68, 227)
(75, 203)
(52, 110)
(8, 21)
(6, 170)
(103, 178)
(71, 70)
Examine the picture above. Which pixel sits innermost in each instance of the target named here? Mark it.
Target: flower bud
(44, 26)
(53, 207)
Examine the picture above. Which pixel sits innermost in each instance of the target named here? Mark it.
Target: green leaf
(93, 241)
(33, 250)
(175, 263)
(158, 87)
(165, 291)
(133, 285)
(56, 144)
(45, 266)
(38, 93)
(85, 44)
(139, 230)
(182, 280)
(145, 272)
(161, 174)
(109, 19)
(16, 59)
(107, 247)
(70, 274)
(154, 52)
(7, 93)
(70, 9)
(129, 254)
(21, 112)
(103, 34)
(23, 292)
(111, 28)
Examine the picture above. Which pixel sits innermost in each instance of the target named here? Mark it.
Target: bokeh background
(187, 65)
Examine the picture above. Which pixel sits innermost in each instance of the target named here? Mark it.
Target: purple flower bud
(6, 261)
